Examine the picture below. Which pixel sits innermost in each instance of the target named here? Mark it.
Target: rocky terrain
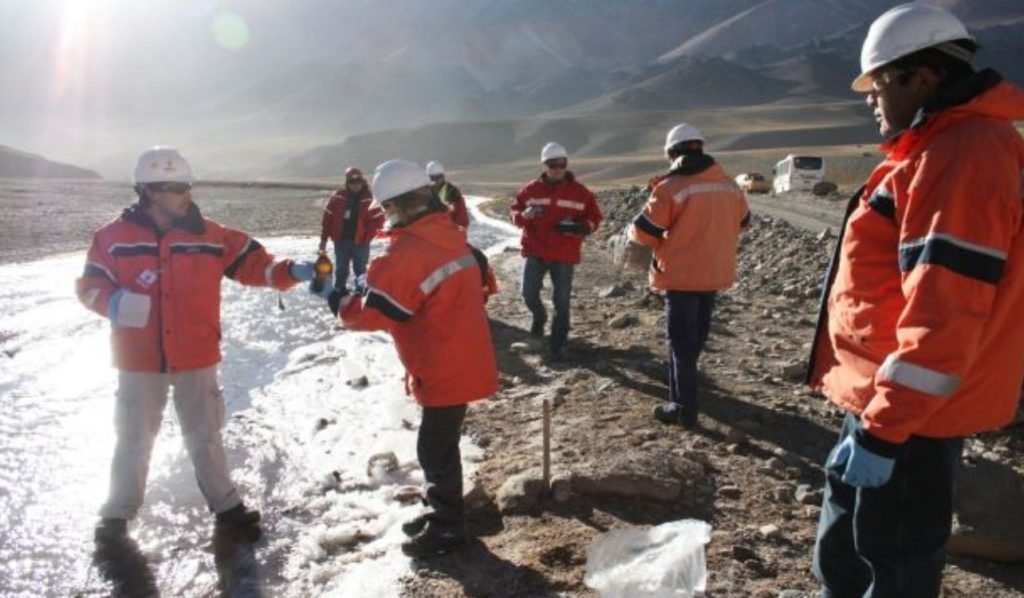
(752, 470)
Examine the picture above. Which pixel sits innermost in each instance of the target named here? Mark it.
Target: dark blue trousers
(688, 318)
(888, 542)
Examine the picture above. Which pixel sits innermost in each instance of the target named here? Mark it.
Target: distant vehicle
(753, 182)
(798, 173)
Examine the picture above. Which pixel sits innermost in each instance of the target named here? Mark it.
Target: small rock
(623, 321)
(806, 495)
(381, 464)
(791, 593)
(476, 497)
(770, 531)
(360, 382)
(610, 292)
(407, 494)
(825, 234)
(784, 494)
(519, 347)
(794, 371)
(520, 493)
(561, 487)
(730, 492)
(742, 553)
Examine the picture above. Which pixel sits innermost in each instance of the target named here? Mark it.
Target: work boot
(111, 529)
(671, 413)
(537, 329)
(434, 541)
(238, 516)
(415, 525)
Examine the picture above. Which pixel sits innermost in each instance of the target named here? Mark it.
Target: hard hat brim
(862, 84)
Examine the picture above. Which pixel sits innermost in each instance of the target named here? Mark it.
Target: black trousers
(688, 319)
(438, 451)
(889, 541)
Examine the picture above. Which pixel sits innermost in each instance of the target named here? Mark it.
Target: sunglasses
(437, 177)
(557, 164)
(176, 188)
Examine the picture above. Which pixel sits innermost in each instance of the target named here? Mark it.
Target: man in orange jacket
(425, 289)
(350, 223)
(156, 273)
(691, 221)
(919, 338)
(555, 212)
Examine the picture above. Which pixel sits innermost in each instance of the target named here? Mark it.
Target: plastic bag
(663, 561)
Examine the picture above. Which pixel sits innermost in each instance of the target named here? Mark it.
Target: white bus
(798, 173)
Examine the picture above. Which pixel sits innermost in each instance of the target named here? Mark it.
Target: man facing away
(156, 273)
(449, 194)
(350, 223)
(919, 339)
(427, 290)
(555, 212)
(691, 221)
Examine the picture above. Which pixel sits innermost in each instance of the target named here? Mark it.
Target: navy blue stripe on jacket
(966, 259)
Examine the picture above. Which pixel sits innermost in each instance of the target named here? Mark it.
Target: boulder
(521, 492)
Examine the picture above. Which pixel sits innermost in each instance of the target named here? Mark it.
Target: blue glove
(302, 271)
(864, 469)
(112, 306)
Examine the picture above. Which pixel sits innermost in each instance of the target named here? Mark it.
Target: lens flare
(230, 31)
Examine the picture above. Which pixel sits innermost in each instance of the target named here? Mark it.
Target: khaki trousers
(141, 398)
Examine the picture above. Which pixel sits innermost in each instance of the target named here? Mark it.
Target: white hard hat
(680, 133)
(905, 29)
(395, 177)
(553, 151)
(163, 164)
(434, 168)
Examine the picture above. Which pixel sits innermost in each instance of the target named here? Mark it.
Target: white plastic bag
(658, 562)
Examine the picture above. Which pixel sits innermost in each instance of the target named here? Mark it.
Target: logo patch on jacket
(146, 278)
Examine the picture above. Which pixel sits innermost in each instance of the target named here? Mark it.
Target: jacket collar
(436, 227)
(691, 164)
(982, 94)
(191, 222)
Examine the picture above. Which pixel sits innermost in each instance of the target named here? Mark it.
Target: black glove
(568, 227)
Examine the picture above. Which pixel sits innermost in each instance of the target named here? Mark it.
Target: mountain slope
(18, 164)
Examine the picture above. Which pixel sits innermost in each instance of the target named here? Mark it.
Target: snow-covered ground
(300, 435)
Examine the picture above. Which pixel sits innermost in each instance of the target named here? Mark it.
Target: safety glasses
(557, 164)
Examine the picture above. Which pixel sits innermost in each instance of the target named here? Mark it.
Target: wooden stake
(547, 446)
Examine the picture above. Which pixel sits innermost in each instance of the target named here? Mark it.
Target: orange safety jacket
(692, 221)
(921, 325)
(368, 220)
(425, 290)
(180, 271)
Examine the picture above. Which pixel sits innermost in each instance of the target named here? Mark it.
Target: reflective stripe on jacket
(425, 289)
(369, 221)
(554, 203)
(921, 329)
(692, 221)
(180, 271)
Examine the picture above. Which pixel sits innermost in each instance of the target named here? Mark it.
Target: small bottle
(324, 268)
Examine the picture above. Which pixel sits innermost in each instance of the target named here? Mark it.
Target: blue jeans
(345, 251)
(688, 319)
(888, 541)
(561, 281)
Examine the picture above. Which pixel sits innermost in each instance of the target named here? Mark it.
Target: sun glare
(81, 24)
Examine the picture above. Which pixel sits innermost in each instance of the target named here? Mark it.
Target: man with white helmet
(449, 194)
(919, 338)
(555, 212)
(691, 221)
(155, 273)
(425, 289)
